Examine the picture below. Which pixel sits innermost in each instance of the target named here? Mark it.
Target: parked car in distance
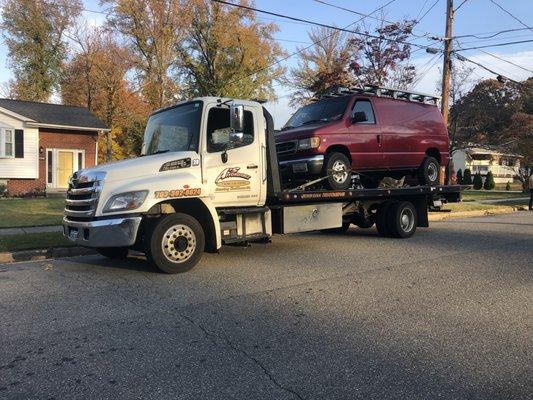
(368, 132)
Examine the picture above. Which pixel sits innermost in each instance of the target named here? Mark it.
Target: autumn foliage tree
(34, 32)
(228, 52)
(95, 77)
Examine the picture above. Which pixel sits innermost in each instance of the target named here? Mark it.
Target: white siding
(27, 167)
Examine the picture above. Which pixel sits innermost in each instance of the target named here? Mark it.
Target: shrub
(467, 177)
(478, 181)
(489, 181)
(3, 190)
(508, 186)
(460, 176)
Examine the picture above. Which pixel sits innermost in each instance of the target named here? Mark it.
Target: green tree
(154, 29)
(489, 183)
(467, 177)
(228, 52)
(460, 176)
(478, 181)
(34, 32)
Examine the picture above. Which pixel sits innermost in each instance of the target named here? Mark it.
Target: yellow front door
(64, 168)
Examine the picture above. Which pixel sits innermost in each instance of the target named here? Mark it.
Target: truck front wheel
(175, 243)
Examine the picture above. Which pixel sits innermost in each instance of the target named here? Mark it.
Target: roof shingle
(54, 114)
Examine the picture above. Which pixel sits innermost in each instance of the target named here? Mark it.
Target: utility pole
(447, 65)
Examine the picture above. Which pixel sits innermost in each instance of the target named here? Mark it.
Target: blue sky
(473, 17)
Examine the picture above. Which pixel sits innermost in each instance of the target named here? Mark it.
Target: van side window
(218, 130)
(364, 106)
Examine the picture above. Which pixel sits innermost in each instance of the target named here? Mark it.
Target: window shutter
(19, 143)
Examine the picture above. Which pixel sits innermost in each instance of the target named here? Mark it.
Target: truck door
(365, 136)
(232, 170)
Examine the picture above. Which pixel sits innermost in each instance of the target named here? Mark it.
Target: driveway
(445, 314)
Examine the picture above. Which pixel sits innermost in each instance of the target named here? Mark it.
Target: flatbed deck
(451, 193)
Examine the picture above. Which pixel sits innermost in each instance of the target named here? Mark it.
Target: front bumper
(116, 232)
(302, 166)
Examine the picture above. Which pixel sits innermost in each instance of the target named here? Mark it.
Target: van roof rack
(382, 92)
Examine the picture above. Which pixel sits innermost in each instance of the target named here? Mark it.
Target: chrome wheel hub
(433, 172)
(407, 220)
(339, 172)
(179, 243)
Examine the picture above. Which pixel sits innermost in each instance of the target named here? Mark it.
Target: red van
(375, 132)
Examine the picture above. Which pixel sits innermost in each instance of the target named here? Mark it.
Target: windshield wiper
(159, 152)
(287, 127)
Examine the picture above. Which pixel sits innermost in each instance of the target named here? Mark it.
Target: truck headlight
(309, 143)
(125, 201)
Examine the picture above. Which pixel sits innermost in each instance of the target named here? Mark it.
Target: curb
(469, 214)
(43, 254)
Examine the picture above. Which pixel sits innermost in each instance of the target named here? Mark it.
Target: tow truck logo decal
(230, 179)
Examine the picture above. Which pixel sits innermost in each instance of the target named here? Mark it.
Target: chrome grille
(82, 194)
(286, 147)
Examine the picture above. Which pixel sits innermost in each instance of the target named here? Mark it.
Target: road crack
(212, 338)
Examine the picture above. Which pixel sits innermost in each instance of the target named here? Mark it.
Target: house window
(7, 143)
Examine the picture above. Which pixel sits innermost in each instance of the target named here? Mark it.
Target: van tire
(116, 253)
(182, 236)
(382, 218)
(403, 219)
(429, 171)
(338, 180)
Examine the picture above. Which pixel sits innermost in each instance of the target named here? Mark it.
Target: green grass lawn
(31, 212)
(473, 195)
(31, 241)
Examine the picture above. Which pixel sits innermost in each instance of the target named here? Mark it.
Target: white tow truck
(208, 176)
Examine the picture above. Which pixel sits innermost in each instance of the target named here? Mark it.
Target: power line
(317, 23)
(462, 58)
(507, 61)
(512, 16)
(493, 33)
(460, 5)
(427, 12)
(498, 44)
(479, 41)
(311, 45)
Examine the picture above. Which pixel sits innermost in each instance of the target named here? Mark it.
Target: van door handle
(378, 136)
(252, 166)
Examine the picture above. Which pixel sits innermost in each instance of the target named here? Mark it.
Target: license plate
(299, 167)
(73, 233)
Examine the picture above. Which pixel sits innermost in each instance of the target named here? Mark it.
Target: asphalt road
(445, 314)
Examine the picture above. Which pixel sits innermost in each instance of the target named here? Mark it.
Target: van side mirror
(359, 116)
(236, 117)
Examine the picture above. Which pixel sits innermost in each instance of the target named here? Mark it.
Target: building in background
(503, 165)
(42, 144)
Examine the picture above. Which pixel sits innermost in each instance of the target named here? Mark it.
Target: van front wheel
(428, 173)
(175, 243)
(338, 171)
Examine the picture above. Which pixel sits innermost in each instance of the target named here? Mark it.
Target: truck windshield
(174, 129)
(321, 111)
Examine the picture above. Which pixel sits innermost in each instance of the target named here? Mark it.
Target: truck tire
(382, 218)
(338, 171)
(175, 243)
(402, 219)
(117, 253)
(428, 173)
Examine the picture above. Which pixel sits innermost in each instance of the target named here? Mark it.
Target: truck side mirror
(236, 117)
(359, 116)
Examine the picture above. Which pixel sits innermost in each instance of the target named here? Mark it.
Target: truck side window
(365, 107)
(218, 130)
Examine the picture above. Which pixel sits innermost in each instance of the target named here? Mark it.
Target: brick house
(42, 144)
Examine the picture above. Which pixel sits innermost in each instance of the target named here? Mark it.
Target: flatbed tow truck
(218, 184)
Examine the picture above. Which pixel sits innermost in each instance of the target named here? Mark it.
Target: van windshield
(174, 129)
(321, 111)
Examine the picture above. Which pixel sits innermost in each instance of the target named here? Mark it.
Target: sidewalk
(30, 229)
